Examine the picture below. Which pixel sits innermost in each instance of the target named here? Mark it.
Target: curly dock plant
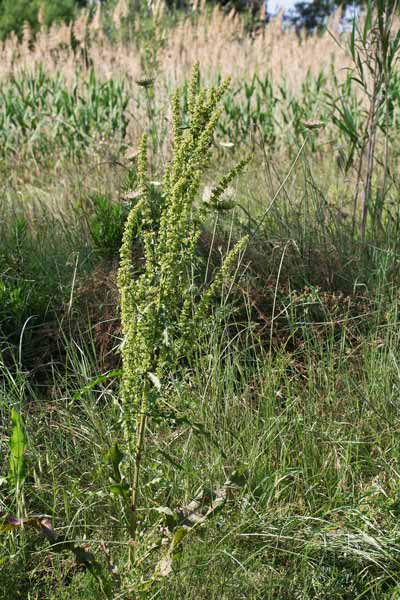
(161, 311)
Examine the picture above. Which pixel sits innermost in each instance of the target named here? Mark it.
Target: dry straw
(217, 40)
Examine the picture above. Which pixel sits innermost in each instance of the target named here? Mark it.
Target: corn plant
(162, 309)
(252, 114)
(42, 113)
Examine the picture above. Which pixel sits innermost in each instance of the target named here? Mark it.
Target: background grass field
(291, 391)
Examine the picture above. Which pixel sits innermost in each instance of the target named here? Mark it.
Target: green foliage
(14, 13)
(18, 446)
(106, 225)
(252, 116)
(375, 51)
(119, 486)
(42, 114)
(41, 256)
(62, 10)
(19, 297)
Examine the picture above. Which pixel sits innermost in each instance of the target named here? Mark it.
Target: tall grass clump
(374, 48)
(162, 307)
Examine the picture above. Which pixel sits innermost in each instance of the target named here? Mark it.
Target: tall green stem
(135, 481)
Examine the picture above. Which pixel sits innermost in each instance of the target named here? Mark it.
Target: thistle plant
(161, 308)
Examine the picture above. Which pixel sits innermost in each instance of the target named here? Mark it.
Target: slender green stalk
(135, 483)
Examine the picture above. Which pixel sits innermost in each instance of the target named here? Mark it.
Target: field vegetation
(199, 307)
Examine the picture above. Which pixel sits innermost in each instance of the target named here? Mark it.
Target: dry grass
(217, 40)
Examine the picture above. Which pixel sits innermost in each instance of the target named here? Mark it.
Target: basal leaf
(18, 445)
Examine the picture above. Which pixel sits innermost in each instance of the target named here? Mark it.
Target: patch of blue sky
(274, 6)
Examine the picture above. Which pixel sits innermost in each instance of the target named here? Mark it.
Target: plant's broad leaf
(120, 489)
(18, 445)
(115, 456)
